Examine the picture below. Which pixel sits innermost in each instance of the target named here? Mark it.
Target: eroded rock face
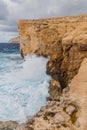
(64, 39)
(66, 112)
(55, 116)
(78, 92)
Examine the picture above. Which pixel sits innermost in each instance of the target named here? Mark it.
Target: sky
(11, 11)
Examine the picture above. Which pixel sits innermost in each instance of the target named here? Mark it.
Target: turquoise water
(23, 84)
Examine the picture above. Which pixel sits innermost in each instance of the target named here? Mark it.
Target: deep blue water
(9, 48)
(23, 84)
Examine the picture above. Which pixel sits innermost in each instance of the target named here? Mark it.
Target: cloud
(17, 1)
(3, 10)
(11, 11)
(7, 28)
(32, 9)
(4, 36)
(74, 7)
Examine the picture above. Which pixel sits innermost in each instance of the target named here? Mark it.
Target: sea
(23, 84)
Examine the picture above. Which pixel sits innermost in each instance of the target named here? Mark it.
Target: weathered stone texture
(66, 112)
(78, 92)
(64, 39)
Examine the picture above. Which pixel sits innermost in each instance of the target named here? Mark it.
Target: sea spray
(23, 86)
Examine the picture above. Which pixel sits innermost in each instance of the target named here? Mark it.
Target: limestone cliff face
(78, 92)
(64, 39)
(15, 40)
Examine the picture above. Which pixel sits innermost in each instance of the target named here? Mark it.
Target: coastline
(65, 41)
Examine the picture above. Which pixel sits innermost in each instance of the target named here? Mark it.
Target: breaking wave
(23, 86)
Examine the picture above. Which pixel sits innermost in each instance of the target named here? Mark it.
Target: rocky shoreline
(65, 111)
(59, 113)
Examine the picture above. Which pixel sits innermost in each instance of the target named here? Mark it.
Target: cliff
(64, 39)
(14, 40)
(78, 92)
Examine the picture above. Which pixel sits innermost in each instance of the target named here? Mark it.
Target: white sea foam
(23, 86)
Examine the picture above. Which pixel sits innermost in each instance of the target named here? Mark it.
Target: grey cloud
(17, 1)
(9, 29)
(3, 10)
(75, 7)
(33, 9)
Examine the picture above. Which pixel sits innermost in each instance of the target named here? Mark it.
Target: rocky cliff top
(58, 19)
(48, 32)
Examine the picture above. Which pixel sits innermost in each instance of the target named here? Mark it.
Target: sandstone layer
(64, 40)
(14, 40)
